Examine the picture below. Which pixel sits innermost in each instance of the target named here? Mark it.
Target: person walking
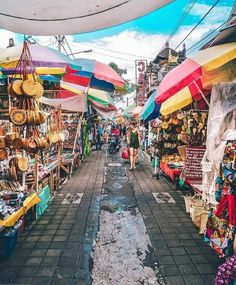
(133, 139)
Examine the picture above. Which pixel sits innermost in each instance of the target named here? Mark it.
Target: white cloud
(217, 14)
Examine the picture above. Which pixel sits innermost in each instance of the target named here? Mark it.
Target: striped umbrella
(95, 74)
(151, 109)
(193, 79)
(46, 60)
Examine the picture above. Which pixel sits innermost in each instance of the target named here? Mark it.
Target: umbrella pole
(203, 96)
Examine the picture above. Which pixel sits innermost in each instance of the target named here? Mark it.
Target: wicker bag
(187, 200)
(196, 199)
(203, 223)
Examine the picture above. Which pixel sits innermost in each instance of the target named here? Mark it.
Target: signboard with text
(193, 167)
(140, 69)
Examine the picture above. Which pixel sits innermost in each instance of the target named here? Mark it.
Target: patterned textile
(219, 234)
(226, 274)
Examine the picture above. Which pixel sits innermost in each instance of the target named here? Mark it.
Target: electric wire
(113, 51)
(199, 22)
(206, 37)
(187, 9)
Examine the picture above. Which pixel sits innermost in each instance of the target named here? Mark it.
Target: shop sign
(193, 167)
(140, 69)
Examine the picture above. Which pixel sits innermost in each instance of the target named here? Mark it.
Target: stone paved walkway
(56, 249)
(184, 257)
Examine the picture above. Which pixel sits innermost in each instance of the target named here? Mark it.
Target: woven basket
(187, 200)
(204, 218)
(182, 152)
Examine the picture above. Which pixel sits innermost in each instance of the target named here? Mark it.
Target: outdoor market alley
(58, 248)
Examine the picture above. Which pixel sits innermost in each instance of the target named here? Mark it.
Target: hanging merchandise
(85, 136)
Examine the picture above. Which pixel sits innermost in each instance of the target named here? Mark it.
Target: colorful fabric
(227, 203)
(226, 273)
(219, 235)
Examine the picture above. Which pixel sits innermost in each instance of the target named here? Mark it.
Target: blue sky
(162, 20)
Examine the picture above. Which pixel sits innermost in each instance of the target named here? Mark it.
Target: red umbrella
(94, 74)
(196, 75)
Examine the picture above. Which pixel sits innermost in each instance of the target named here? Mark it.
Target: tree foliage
(120, 71)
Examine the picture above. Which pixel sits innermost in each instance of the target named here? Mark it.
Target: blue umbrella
(151, 109)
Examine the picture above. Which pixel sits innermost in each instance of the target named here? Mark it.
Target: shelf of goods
(69, 161)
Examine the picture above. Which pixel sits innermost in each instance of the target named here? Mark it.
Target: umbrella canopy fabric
(137, 111)
(129, 110)
(151, 110)
(198, 73)
(101, 98)
(95, 74)
(63, 17)
(73, 104)
(45, 59)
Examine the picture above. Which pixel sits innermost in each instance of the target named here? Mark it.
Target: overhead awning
(63, 17)
(73, 104)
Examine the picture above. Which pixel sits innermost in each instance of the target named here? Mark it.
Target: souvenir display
(70, 122)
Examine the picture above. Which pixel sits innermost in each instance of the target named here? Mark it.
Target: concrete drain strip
(122, 253)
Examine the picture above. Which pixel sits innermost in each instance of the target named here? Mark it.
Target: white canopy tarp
(74, 104)
(106, 115)
(221, 124)
(63, 17)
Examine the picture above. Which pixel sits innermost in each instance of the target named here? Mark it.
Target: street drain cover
(114, 164)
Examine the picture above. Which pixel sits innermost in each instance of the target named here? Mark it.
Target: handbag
(197, 210)
(203, 221)
(196, 199)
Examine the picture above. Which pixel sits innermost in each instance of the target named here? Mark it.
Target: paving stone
(46, 238)
(41, 281)
(169, 270)
(58, 281)
(193, 250)
(57, 245)
(174, 243)
(45, 271)
(194, 280)
(42, 244)
(162, 251)
(174, 280)
(33, 261)
(22, 281)
(67, 261)
(199, 258)
(38, 252)
(205, 268)
(209, 278)
(53, 252)
(182, 259)
(189, 269)
(50, 260)
(178, 251)
(64, 272)
(168, 259)
(27, 271)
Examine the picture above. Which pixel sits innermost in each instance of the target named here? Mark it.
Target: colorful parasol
(151, 110)
(137, 111)
(193, 79)
(101, 99)
(94, 74)
(46, 60)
